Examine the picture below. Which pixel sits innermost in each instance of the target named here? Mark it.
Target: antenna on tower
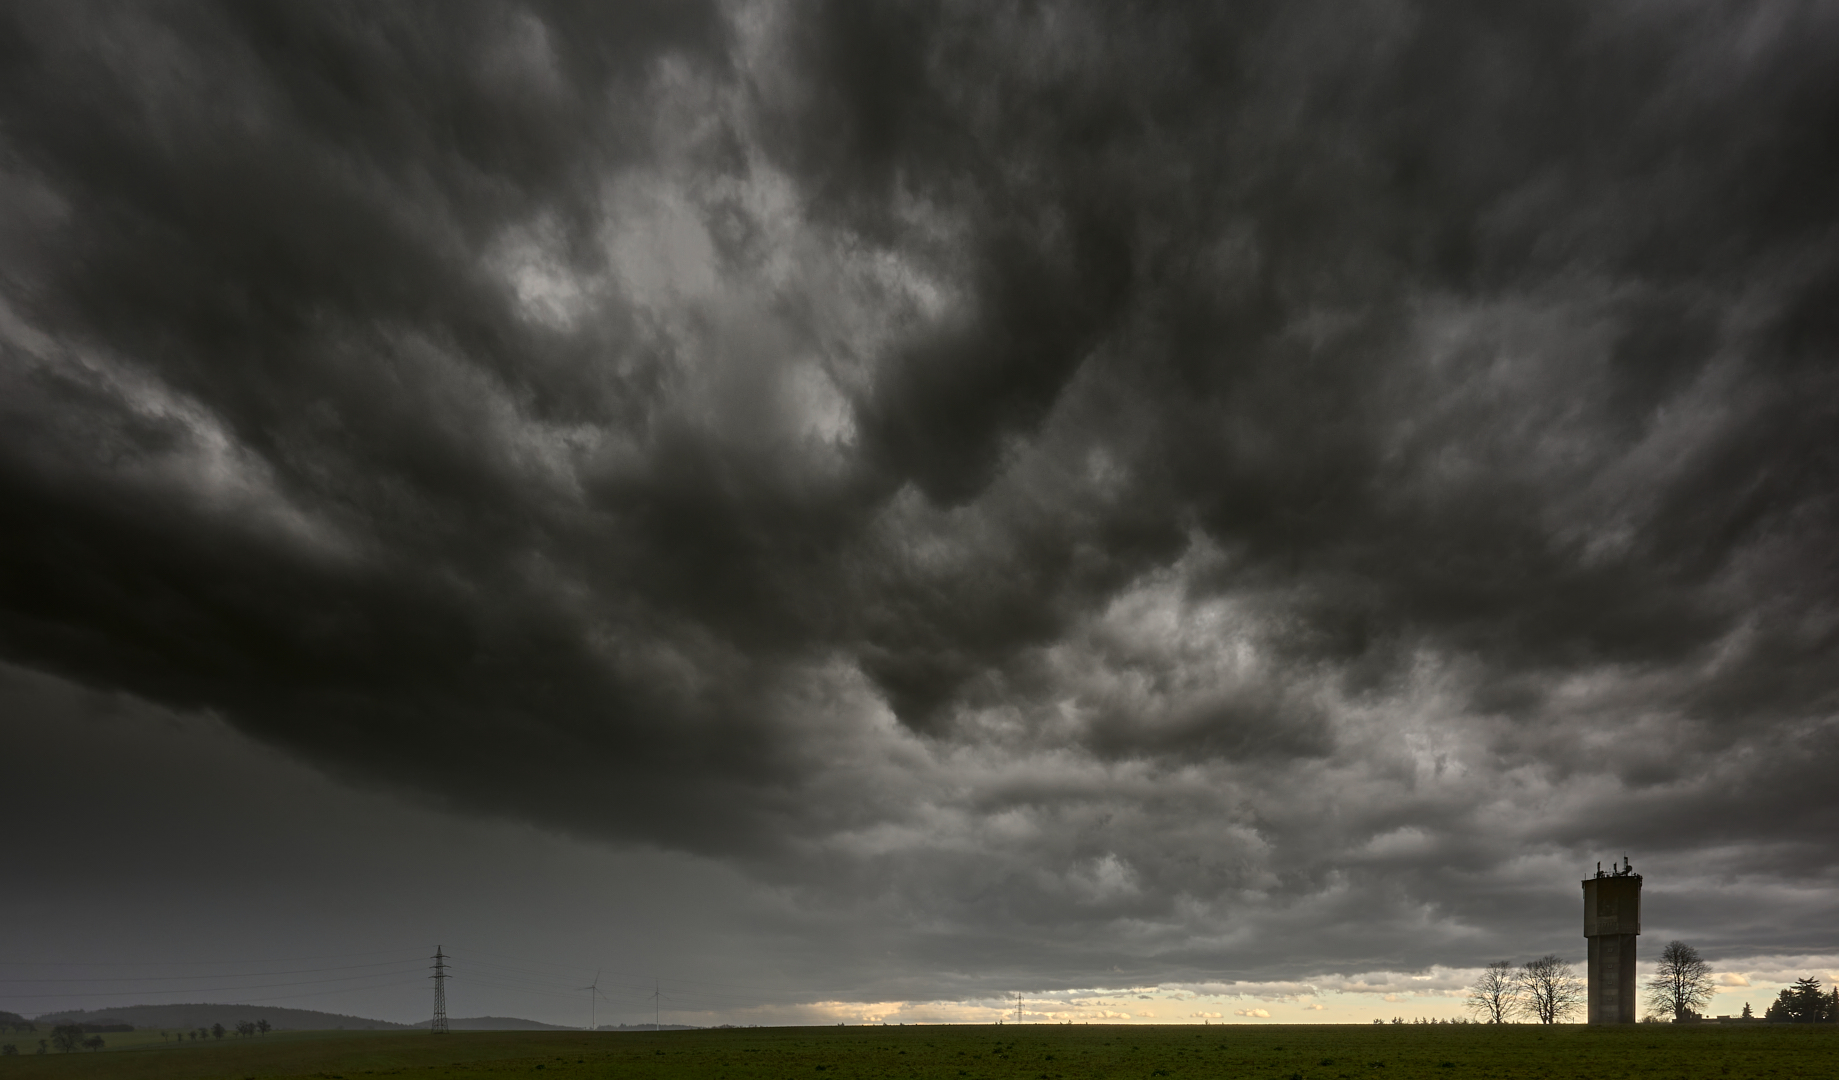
(440, 977)
(593, 1013)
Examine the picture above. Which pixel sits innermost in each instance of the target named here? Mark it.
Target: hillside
(501, 1023)
(185, 1017)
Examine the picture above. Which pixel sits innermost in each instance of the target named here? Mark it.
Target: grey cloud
(1163, 477)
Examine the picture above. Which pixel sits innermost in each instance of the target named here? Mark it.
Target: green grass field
(1289, 1052)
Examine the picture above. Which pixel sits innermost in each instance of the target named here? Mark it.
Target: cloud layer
(1176, 495)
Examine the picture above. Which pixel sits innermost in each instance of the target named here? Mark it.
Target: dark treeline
(1804, 1003)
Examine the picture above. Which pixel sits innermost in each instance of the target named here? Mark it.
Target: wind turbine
(593, 1012)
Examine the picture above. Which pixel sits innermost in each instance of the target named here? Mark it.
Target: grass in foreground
(1289, 1052)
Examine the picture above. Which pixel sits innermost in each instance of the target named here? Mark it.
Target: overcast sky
(857, 510)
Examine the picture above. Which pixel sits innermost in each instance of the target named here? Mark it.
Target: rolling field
(1027, 1052)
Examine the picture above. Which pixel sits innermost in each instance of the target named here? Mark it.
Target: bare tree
(1495, 995)
(1683, 983)
(1550, 991)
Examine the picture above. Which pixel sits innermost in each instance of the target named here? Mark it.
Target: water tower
(1612, 919)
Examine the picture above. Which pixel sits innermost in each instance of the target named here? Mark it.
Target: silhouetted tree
(1802, 1003)
(1495, 995)
(1550, 990)
(1747, 1015)
(1682, 985)
(67, 1037)
(217, 1031)
(263, 1026)
(94, 1042)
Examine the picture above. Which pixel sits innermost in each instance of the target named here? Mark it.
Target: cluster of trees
(71, 1037)
(1683, 985)
(1546, 990)
(1803, 1003)
(218, 1031)
(1428, 1020)
(10, 1050)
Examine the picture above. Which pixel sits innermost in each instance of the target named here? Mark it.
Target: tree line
(69, 1038)
(1804, 1003)
(1548, 991)
(1683, 985)
(218, 1031)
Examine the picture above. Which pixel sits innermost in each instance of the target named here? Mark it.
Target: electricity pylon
(439, 1027)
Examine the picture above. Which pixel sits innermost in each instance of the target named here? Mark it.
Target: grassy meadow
(1025, 1052)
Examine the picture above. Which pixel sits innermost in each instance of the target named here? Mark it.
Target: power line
(190, 963)
(323, 993)
(531, 981)
(552, 991)
(538, 977)
(212, 975)
(527, 981)
(642, 979)
(295, 997)
(197, 989)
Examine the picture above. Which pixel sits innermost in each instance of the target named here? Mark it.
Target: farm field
(1026, 1052)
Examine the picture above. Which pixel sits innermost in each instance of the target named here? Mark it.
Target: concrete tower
(1612, 918)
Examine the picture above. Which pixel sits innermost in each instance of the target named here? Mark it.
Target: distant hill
(648, 1027)
(186, 1017)
(501, 1023)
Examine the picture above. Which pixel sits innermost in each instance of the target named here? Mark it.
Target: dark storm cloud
(1025, 472)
